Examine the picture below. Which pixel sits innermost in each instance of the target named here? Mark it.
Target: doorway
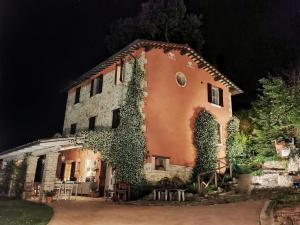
(102, 178)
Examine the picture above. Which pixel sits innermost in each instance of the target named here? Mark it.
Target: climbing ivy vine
(234, 144)
(124, 147)
(7, 176)
(19, 181)
(205, 139)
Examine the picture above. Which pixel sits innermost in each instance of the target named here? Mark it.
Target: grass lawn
(14, 212)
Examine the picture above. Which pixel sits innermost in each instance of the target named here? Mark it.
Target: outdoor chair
(108, 194)
(58, 188)
(122, 191)
(68, 189)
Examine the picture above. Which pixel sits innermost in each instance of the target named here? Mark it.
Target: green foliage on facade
(235, 143)
(7, 176)
(205, 139)
(274, 115)
(19, 181)
(124, 147)
(128, 146)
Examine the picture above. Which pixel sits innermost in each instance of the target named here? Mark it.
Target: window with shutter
(215, 95)
(160, 163)
(96, 86)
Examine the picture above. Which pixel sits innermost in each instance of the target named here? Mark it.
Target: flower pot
(49, 199)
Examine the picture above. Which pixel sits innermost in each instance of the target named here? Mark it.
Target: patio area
(98, 212)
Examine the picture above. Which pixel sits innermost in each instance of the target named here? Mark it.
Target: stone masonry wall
(49, 175)
(100, 105)
(31, 168)
(153, 175)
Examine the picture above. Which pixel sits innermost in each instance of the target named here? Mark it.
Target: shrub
(138, 191)
(205, 140)
(19, 181)
(7, 177)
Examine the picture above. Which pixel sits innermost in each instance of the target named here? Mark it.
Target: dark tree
(161, 20)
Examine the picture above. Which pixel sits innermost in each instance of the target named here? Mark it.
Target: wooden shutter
(209, 93)
(99, 84)
(122, 72)
(221, 102)
(77, 95)
(116, 75)
(92, 88)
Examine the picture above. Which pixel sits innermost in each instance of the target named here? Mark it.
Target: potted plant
(93, 187)
(49, 196)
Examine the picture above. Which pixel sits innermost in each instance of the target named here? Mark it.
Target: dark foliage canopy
(161, 20)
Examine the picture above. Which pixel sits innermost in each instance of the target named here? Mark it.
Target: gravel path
(98, 212)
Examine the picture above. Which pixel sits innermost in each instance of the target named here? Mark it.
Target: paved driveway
(97, 212)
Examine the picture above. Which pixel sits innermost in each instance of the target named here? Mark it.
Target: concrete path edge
(266, 216)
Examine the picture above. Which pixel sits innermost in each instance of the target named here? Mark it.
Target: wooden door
(102, 178)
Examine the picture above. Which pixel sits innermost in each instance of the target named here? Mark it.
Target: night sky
(44, 45)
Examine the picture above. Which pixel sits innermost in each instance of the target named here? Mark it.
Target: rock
(294, 164)
(285, 181)
(148, 197)
(220, 190)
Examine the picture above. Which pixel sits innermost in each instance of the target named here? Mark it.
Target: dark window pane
(77, 95)
(160, 163)
(116, 118)
(99, 84)
(92, 122)
(73, 128)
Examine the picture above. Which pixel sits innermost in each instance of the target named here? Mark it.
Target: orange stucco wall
(170, 109)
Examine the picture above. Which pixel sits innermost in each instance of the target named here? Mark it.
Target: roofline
(44, 140)
(185, 49)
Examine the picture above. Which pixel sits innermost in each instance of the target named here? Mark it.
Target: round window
(181, 79)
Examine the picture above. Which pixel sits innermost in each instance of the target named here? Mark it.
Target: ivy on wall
(124, 147)
(234, 147)
(19, 181)
(205, 139)
(7, 177)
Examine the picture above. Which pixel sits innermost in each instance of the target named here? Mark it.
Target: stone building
(178, 84)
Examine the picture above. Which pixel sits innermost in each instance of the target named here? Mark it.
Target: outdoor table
(157, 194)
(180, 194)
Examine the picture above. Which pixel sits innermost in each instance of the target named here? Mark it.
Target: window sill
(215, 105)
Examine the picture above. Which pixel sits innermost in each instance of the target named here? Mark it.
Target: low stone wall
(153, 175)
(294, 164)
(271, 181)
